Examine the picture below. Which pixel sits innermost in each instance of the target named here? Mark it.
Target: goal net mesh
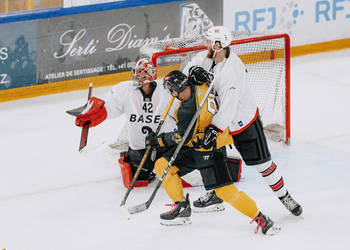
(266, 58)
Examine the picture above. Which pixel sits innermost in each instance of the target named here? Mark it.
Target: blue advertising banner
(18, 54)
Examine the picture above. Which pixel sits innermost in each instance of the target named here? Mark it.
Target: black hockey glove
(198, 75)
(155, 141)
(210, 134)
(197, 144)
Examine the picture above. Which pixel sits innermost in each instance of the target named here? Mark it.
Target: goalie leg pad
(125, 168)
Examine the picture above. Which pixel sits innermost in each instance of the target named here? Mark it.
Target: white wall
(74, 3)
(306, 21)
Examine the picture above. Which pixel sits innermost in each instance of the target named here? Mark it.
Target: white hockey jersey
(140, 110)
(237, 104)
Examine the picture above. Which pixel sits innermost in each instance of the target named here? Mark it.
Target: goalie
(143, 102)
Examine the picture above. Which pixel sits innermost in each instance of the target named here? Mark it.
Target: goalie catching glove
(198, 75)
(95, 113)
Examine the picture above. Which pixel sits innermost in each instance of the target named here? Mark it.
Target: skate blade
(180, 221)
(273, 231)
(209, 209)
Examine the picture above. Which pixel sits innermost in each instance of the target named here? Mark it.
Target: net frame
(166, 48)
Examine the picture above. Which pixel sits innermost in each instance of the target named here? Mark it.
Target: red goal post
(267, 58)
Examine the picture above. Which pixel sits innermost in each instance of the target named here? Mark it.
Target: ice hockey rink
(54, 198)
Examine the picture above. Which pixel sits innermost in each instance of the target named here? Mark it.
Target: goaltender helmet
(175, 80)
(219, 34)
(143, 72)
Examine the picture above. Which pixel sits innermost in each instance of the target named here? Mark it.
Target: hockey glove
(198, 75)
(95, 113)
(155, 141)
(210, 134)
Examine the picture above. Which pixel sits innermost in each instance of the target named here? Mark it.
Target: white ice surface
(54, 198)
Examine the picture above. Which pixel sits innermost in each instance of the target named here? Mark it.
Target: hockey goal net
(267, 58)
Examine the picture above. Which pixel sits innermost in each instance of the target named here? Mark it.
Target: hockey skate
(178, 215)
(266, 225)
(207, 203)
(291, 204)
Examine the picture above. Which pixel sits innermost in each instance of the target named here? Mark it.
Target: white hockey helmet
(143, 72)
(219, 34)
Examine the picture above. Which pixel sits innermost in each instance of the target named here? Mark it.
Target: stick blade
(77, 111)
(138, 208)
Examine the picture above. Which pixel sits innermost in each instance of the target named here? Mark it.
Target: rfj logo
(279, 16)
(283, 16)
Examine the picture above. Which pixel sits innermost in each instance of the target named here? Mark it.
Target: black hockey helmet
(175, 80)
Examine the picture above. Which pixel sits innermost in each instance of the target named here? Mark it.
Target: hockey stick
(144, 206)
(86, 126)
(148, 150)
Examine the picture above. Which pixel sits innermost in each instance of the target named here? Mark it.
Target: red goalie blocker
(95, 114)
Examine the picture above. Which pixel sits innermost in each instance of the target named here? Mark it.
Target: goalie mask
(175, 80)
(143, 72)
(219, 34)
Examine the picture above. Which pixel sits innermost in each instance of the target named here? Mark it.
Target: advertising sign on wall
(17, 54)
(107, 42)
(311, 21)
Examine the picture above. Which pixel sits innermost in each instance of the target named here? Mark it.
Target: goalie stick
(148, 150)
(86, 126)
(144, 206)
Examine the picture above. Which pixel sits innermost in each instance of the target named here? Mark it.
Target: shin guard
(172, 182)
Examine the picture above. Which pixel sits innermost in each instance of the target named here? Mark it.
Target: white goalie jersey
(139, 109)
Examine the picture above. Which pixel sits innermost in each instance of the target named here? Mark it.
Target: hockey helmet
(175, 80)
(219, 34)
(143, 72)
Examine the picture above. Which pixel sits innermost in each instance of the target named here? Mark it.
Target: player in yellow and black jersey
(193, 156)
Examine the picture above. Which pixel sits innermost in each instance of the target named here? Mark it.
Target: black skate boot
(178, 215)
(291, 204)
(266, 225)
(209, 202)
